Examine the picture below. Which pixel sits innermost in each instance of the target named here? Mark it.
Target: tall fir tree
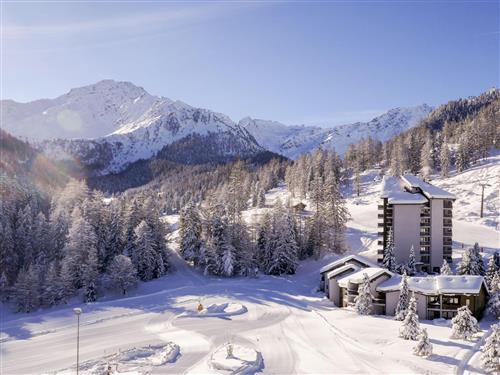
(464, 325)
(410, 329)
(363, 301)
(404, 299)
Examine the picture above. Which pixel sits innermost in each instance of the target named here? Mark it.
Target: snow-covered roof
(393, 189)
(337, 271)
(441, 284)
(430, 191)
(344, 260)
(357, 277)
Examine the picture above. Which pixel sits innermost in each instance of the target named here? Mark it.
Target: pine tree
(490, 352)
(465, 266)
(53, 290)
(411, 326)
(144, 255)
(411, 262)
(90, 294)
(389, 259)
(228, 260)
(4, 287)
(426, 157)
(496, 256)
(464, 325)
(80, 254)
(26, 295)
(477, 260)
(490, 273)
(444, 158)
(424, 346)
(403, 301)
(493, 307)
(337, 215)
(122, 273)
(363, 301)
(284, 248)
(261, 199)
(190, 234)
(445, 268)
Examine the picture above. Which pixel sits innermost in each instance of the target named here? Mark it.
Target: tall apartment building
(420, 216)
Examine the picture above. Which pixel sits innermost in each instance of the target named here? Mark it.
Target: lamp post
(78, 312)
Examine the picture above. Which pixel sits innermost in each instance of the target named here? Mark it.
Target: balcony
(380, 242)
(380, 233)
(447, 223)
(448, 204)
(380, 206)
(447, 214)
(380, 216)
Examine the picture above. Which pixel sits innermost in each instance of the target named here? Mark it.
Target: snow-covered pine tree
(490, 352)
(411, 326)
(90, 294)
(444, 158)
(403, 301)
(464, 325)
(477, 260)
(493, 307)
(144, 256)
(363, 301)
(263, 234)
(426, 157)
(190, 234)
(424, 346)
(80, 253)
(389, 259)
(284, 257)
(496, 256)
(490, 273)
(411, 265)
(445, 268)
(228, 259)
(53, 290)
(337, 214)
(26, 296)
(122, 273)
(465, 266)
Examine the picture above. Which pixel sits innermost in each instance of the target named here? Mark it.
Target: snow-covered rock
(242, 360)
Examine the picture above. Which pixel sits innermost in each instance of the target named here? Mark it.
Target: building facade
(437, 296)
(420, 216)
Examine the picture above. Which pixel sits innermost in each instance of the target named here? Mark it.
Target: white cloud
(131, 23)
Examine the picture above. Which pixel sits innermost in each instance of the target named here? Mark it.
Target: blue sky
(323, 62)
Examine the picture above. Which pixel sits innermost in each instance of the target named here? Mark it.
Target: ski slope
(295, 329)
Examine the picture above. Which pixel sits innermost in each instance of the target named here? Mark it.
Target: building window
(451, 300)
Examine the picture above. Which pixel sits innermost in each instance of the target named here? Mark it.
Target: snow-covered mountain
(86, 112)
(106, 126)
(109, 125)
(292, 141)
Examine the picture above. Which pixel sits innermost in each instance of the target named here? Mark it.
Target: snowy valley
(274, 324)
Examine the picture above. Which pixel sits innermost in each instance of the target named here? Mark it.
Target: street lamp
(78, 312)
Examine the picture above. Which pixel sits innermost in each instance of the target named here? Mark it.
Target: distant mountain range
(109, 125)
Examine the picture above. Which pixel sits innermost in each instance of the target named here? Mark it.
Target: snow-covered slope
(293, 141)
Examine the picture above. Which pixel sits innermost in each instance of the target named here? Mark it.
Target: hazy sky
(297, 62)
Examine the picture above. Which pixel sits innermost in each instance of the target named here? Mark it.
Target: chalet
(437, 296)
